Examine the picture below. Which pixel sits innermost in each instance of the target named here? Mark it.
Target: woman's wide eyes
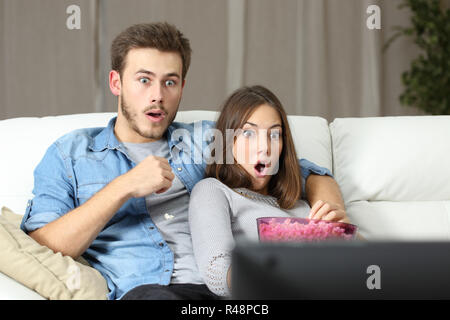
(248, 133)
(275, 135)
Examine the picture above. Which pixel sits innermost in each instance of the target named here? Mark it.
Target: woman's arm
(325, 198)
(212, 238)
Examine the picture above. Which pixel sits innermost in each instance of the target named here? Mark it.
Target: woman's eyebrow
(255, 125)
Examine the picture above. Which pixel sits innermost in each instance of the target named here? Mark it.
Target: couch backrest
(23, 142)
(376, 158)
(394, 175)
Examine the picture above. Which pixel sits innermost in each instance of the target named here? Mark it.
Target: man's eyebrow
(171, 74)
(255, 125)
(145, 71)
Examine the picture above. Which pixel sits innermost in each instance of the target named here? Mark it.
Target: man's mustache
(155, 107)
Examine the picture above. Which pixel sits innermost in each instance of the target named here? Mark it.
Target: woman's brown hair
(286, 184)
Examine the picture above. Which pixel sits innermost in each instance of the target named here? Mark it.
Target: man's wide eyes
(168, 83)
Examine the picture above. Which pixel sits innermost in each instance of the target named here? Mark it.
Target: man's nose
(156, 94)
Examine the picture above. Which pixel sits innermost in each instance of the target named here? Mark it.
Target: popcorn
(312, 230)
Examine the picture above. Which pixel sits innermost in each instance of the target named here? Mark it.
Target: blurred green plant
(427, 83)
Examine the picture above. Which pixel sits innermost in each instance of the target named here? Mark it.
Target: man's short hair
(161, 35)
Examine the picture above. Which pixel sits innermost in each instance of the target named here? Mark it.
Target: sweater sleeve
(212, 238)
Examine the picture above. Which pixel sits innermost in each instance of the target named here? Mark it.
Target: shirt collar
(172, 143)
(106, 139)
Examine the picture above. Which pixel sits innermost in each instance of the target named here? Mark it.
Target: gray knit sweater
(219, 217)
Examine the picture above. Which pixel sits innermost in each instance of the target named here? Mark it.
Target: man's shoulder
(197, 132)
(77, 141)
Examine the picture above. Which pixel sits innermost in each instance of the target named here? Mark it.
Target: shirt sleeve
(212, 238)
(53, 191)
(307, 167)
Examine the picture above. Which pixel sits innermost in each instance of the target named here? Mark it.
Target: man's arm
(73, 232)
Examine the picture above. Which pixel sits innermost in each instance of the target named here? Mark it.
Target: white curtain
(318, 56)
(321, 59)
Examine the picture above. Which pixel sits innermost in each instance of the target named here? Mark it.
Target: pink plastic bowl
(275, 229)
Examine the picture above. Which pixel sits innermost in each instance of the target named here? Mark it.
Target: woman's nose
(263, 143)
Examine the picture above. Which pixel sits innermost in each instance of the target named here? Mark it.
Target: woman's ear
(115, 84)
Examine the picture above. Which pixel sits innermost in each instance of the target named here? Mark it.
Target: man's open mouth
(155, 115)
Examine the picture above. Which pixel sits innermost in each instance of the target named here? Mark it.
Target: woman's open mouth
(155, 115)
(261, 169)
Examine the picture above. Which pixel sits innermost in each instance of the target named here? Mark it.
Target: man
(117, 196)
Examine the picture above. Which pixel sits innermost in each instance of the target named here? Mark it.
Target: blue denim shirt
(129, 251)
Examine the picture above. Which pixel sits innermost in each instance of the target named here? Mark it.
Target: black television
(341, 270)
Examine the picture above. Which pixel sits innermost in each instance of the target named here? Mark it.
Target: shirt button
(161, 244)
(151, 228)
(166, 270)
(179, 169)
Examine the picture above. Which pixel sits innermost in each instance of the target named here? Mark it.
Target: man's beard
(155, 133)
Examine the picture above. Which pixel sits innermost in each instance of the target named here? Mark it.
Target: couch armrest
(13, 290)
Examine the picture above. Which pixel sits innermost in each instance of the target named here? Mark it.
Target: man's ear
(183, 83)
(115, 84)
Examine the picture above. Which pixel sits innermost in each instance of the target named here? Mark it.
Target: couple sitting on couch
(130, 198)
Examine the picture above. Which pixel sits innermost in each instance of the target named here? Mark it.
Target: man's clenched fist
(153, 174)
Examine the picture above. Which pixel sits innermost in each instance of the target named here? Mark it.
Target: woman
(264, 180)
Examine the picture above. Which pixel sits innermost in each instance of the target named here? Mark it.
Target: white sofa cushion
(25, 141)
(312, 139)
(392, 158)
(10, 289)
(403, 221)
(393, 173)
(195, 115)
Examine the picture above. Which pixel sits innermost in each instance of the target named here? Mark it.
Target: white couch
(394, 172)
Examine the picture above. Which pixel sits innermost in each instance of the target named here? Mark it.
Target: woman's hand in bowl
(328, 211)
